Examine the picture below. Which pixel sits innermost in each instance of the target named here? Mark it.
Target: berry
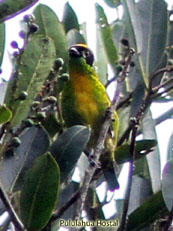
(14, 45)
(33, 28)
(29, 123)
(15, 142)
(65, 77)
(59, 62)
(125, 42)
(23, 95)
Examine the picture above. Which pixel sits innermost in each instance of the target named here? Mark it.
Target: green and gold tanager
(85, 101)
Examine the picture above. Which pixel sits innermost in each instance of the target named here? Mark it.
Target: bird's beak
(73, 52)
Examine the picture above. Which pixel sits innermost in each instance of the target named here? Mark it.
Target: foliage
(39, 154)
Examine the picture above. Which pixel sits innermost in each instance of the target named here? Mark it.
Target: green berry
(15, 142)
(35, 103)
(29, 123)
(59, 62)
(23, 95)
(41, 116)
(64, 77)
(119, 68)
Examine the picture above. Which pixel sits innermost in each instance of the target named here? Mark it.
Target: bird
(84, 101)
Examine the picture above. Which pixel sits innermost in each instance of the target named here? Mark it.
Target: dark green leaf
(5, 114)
(139, 184)
(2, 41)
(106, 34)
(113, 3)
(154, 27)
(3, 88)
(167, 184)
(36, 63)
(147, 213)
(69, 20)
(49, 25)
(102, 63)
(34, 143)
(74, 37)
(9, 8)
(68, 148)
(149, 132)
(143, 147)
(39, 193)
(170, 148)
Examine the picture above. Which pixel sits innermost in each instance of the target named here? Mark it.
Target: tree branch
(15, 219)
(130, 174)
(91, 170)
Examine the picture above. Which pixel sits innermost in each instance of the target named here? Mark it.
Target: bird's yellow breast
(85, 99)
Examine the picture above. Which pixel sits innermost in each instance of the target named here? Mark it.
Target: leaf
(170, 147)
(74, 37)
(154, 27)
(5, 114)
(102, 63)
(36, 63)
(106, 34)
(153, 160)
(147, 213)
(113, 3)
(143, 147)
(10, 8)
(139, 184)
(50, 26)
(69, 20)
(68, 148)
(34, 143)
(133, 24)
(167, 184)
(2, 42)
(39, 193)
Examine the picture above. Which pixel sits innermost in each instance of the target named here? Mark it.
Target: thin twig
(15, 219)
(91, 170)
(169, 220)
(122, 77)
(67, 205)
(130, 175)
(162, 85)
(158, 72)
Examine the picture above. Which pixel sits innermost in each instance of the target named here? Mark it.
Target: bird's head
(82, 51)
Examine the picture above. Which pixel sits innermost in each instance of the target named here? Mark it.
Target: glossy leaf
(49, 25)
(154, 28)
(170, 147)
(146, 213)
(36, 63)
(39, 193)
(167, 184)
(68, 148)
(113, 3)
(102, 63)
(149, 132)
(34, 143)
(69, 20)
(9, 8)
(74, 37)
(143, 147)
(106, 34)
(5, 114)
(3, 88)
(2, 41)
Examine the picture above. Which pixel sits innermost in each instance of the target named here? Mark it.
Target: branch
(61, 211)
(15, 219)
(169, 220)
(91, 170)
(134, 123)
(160, 71)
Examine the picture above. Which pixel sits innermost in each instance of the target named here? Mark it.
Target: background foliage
(39, 155)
